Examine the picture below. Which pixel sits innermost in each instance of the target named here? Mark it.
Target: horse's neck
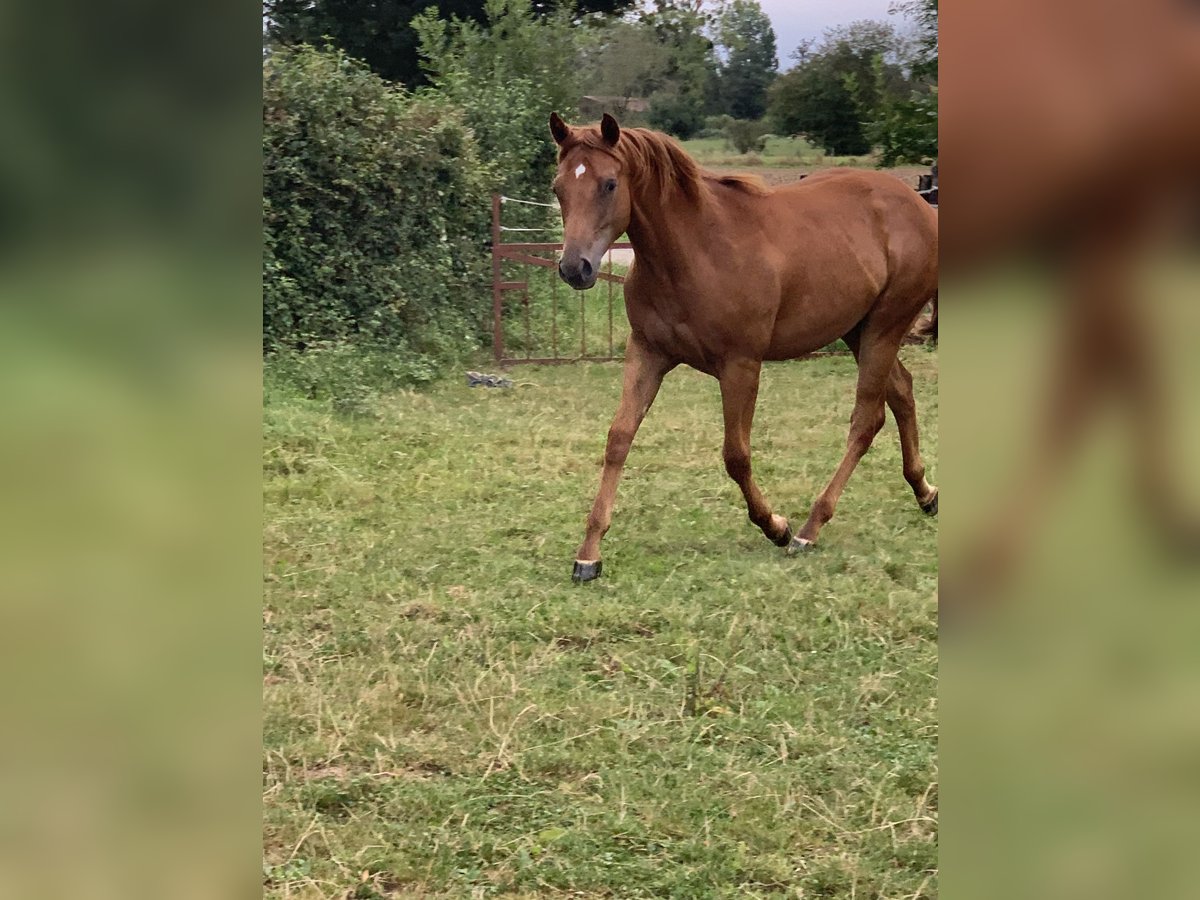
(663, 237)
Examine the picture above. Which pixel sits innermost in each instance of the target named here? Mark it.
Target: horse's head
(593, 191)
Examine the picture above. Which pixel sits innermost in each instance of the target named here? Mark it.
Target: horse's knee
(737, 464)
(864, 428)
(876, 423)
(617, 448)
(903, 406)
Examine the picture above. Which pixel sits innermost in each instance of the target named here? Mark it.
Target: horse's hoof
(785, 540)
(799, 545)
(586, 571)
(930, 508)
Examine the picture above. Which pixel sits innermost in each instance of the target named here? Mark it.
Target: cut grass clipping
(446, 715)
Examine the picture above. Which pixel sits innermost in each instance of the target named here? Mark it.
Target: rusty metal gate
(549, 323)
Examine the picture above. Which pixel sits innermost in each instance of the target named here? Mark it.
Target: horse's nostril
(585, 269)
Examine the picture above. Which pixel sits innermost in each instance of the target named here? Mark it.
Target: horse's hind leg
(739, 392)
(904, 408)
(876, 355)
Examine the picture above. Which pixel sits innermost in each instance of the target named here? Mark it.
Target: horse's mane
(658, 160)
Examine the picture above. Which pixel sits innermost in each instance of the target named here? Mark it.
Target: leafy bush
(714, 126)
(507, 76)
(676, 112)
(747, 136)
(906, 129)
(375, 213)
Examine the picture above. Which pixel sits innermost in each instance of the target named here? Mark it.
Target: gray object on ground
(476, 379)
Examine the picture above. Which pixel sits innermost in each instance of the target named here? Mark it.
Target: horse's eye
(610, 185)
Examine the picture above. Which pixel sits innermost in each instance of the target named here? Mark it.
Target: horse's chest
(688, 336)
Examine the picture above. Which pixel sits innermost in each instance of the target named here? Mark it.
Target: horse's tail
(926, 327)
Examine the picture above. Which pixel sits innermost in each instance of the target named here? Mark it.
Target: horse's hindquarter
(849, 242)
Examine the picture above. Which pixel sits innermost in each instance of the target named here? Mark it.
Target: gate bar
(497, 302)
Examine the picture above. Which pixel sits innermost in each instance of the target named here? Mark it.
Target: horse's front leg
(739, 393)
(644, 372)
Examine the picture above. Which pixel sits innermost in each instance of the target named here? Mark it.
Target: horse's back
(843, 187)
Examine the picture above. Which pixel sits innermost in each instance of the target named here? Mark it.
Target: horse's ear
(610, 130)
(559, 129)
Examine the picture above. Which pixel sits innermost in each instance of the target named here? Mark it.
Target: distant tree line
(866, 85)
(381, 33)
(689, 58)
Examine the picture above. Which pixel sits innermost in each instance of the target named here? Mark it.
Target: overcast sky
(794, 20)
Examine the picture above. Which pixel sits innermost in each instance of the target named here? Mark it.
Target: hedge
(375, 212)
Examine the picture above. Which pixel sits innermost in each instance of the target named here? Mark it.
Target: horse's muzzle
(579, 274)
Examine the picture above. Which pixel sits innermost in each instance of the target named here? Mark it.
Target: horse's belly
(807, 326)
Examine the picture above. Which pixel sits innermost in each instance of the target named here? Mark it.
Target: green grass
(446, 715)
(779, 151)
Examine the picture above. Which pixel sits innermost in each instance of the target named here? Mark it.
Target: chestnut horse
(729, 273)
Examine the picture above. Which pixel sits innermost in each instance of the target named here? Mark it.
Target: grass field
(446, 715)
(779, 151)
(784, 160)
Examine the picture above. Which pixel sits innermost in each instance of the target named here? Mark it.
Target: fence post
(497, 303)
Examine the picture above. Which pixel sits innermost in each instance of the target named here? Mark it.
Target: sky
(795, 20)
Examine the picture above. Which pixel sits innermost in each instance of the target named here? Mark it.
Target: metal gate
(535, 318)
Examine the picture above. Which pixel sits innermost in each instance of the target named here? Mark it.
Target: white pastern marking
(580, 169)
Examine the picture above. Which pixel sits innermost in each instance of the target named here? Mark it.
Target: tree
(625, 59)
(840, 88)
(745, 34)
(377, 32)
(507, 75)
(746, 135)
(905, 126)
(924, 14)
(679, 103)
(380, 32)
